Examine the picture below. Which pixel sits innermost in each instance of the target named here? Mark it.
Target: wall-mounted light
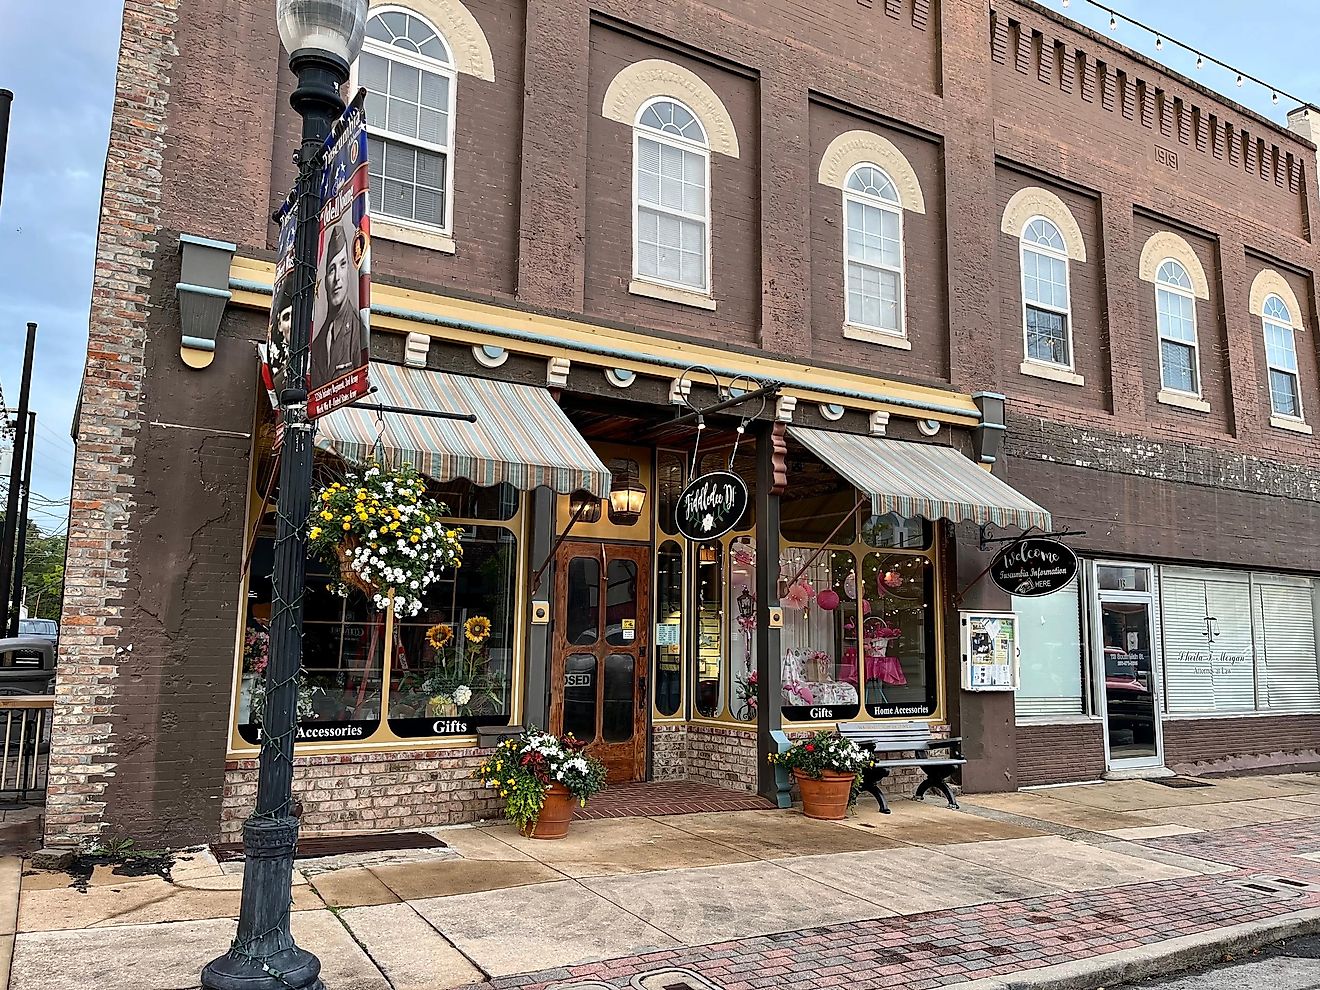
(584, 506)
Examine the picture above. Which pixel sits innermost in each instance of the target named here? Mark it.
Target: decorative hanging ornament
(799, 595)
(828, 600)
(893, 579)
(850, 586)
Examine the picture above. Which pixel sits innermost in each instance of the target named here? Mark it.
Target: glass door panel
(1131, 711)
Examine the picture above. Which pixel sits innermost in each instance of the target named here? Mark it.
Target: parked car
(27, 665)
(42, 628)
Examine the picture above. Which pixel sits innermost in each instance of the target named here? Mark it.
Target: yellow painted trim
(626, 342)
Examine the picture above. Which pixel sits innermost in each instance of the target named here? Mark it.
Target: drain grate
(1276, 886)
(1181, 782)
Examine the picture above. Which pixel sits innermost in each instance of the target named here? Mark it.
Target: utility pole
(16, 479)
(20, 551)
(6, 101)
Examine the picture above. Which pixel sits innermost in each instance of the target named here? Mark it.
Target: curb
(1157, 959)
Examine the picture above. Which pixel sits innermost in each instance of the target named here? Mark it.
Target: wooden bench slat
(950, 762)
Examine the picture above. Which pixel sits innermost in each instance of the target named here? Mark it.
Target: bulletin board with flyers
(989, 651)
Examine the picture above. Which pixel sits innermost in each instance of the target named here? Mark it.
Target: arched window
(1175, 314)
(873, 250)
(671, 216)
(1045, 301)
(408, 72)
(1281, 357)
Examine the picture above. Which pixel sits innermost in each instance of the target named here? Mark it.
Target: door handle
(641, 693)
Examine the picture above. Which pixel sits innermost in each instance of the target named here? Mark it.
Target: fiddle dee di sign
(1034, 566)
(711, 505)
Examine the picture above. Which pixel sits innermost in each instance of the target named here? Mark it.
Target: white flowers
(462, 694)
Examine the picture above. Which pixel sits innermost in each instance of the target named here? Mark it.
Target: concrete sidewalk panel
(912, 881)
(549, 925)
(605, 847)
(1033, 804)
(142, 902)
(479, 843)
(716, 903)
(776, 834)
(1063, 864)
(411, 954)
(414, 881)
(171, 956)
(355, 887)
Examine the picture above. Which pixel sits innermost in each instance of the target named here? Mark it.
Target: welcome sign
(711, 505)
(1034, 566)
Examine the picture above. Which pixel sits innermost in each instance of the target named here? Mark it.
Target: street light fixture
(322, 37)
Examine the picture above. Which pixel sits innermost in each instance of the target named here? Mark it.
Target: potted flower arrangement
(828, 771)
(384, 533)
(256, 657)
(540, 776)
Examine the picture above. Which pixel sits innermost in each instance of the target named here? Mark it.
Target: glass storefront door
(1126, 657)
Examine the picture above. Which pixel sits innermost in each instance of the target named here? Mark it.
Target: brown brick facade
(1222, 744)
(982, 102)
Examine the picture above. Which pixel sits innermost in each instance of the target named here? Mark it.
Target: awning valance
(521, 437)
(922, 479)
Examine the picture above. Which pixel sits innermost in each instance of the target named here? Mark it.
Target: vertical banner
(341, 312)
(275, 353)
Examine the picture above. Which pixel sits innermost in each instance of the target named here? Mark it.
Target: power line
(1201, 57)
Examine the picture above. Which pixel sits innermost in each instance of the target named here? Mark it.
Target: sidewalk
(1095, 879)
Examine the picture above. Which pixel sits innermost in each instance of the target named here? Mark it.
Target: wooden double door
(601, 651)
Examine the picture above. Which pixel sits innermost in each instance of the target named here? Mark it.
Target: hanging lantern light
(627, 495)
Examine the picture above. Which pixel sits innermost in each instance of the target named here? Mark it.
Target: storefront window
(710, 628)
(343, 643)
(894, 532)
(820, 507)
(744, 466)
(898, 634)
(464, 500)
(669, 629)
(821, 634)
(742, 629)
(452, 665)
(1050, 640)
(670, 468)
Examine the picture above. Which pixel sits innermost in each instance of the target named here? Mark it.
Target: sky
(59, 60)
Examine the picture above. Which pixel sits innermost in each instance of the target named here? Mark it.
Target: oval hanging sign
(711, 505)
(1034, 566)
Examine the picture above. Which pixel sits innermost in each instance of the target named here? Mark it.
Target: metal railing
(25, 754)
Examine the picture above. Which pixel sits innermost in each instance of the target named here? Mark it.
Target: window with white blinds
(1050, 643)
(672, 206)
(1286, 651)
(1237, 643)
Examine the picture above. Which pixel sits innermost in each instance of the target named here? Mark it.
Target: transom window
(1281, 357)
(408, 72)
(1046, 307)
(873, 251)
(672, 203)
(1175, 314)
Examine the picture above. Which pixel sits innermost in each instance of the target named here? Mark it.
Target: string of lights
(1202, 58)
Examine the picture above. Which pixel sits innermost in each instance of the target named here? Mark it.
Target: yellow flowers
(477, 629)
(440, 635)
(315, 532)
(346, 526)
(326, 515)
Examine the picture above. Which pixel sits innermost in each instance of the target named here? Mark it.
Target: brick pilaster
(102, 507)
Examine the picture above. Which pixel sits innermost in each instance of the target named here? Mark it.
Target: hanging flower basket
(384, 533)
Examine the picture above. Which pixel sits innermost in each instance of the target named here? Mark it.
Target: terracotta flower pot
(556, 813)
(826, 798)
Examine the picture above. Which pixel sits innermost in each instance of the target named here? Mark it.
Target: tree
(43, 572)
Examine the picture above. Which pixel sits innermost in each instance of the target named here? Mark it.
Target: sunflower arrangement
(385, 533)
(477, 629)
(439, 636)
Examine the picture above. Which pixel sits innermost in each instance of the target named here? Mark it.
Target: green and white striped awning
(921, 479)
(521, 437)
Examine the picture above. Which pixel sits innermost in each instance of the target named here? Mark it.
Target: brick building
(939, 226)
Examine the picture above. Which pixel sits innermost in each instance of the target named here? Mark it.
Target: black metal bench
(905, 737)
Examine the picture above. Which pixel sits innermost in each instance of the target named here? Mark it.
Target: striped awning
(922, 479)
(521, 437)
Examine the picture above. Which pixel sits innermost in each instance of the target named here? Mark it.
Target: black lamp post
(323, 37)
